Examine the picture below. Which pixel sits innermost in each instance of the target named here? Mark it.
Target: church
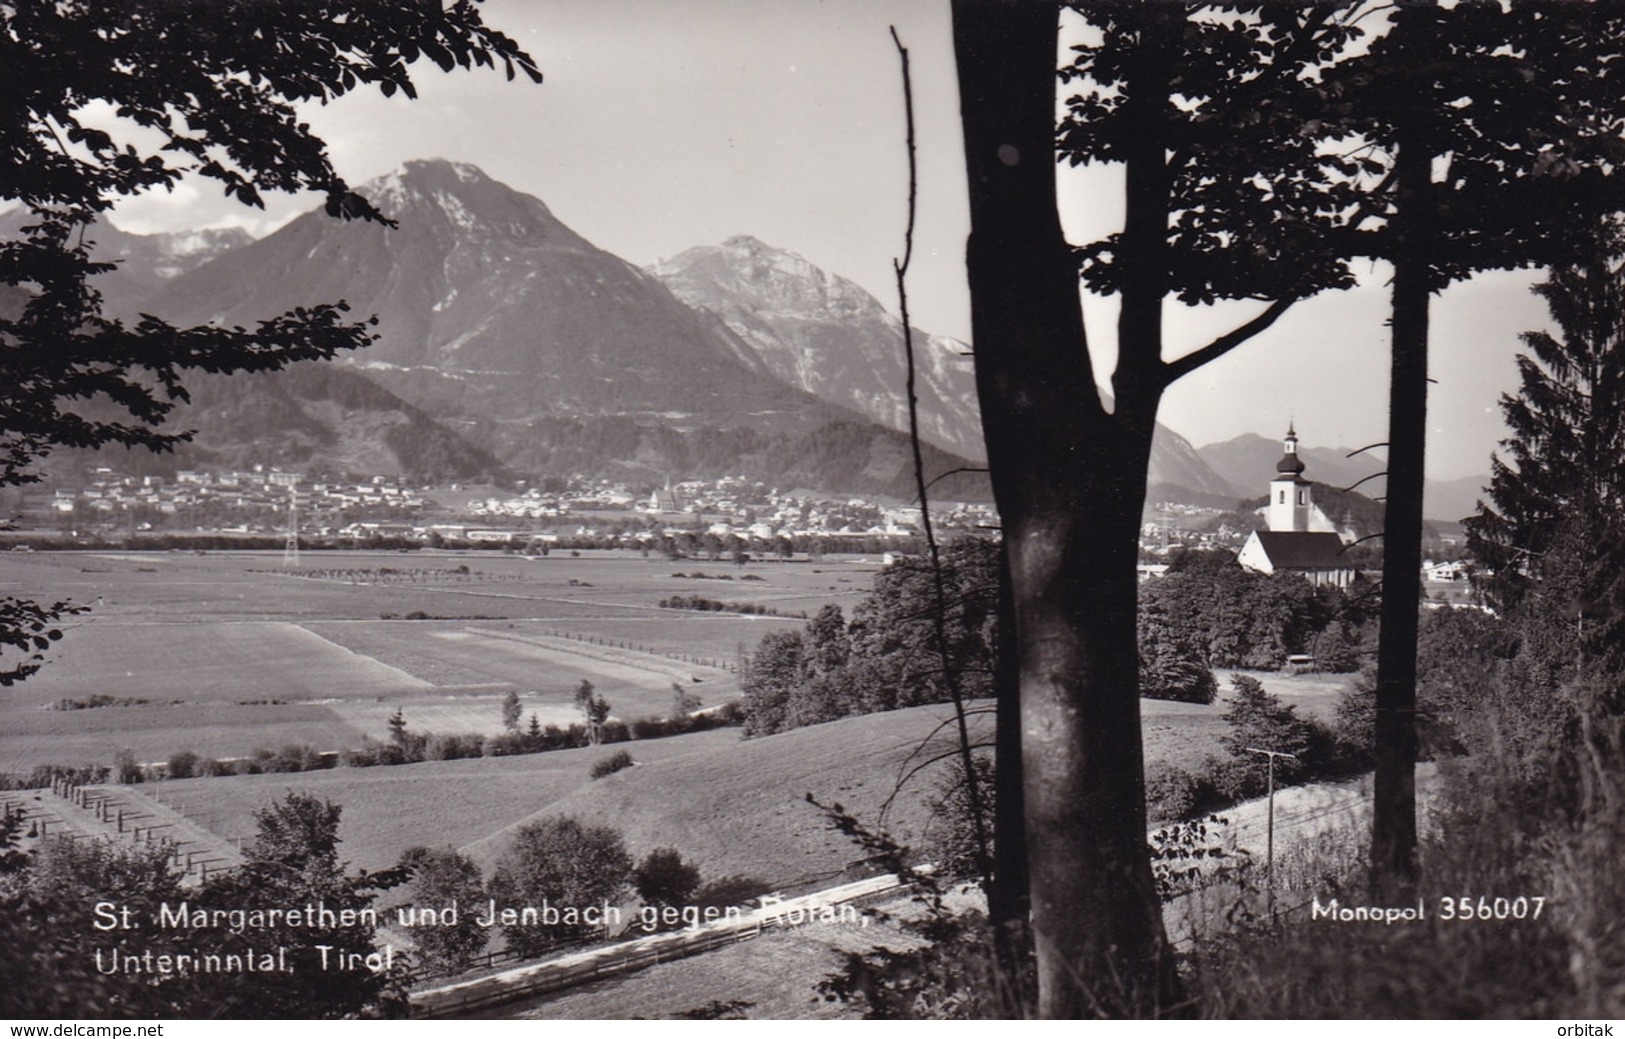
(1300, 539)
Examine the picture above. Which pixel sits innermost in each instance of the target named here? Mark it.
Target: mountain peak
(441, 169)
(774, 280)
(748, 243)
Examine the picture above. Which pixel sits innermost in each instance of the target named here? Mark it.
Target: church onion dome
(1290, 463)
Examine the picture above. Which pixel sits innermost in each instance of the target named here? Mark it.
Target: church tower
(1290, 505)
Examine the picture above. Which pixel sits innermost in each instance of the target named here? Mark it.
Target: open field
(234, 655)
(733, 806)
(1184, 733)
(152, 732)
(201, 637)
(436, 803)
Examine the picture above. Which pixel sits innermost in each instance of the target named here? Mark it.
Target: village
(269, 501)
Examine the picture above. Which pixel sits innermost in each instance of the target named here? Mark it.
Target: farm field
(233, 653)
(435, 803)
(733, 806)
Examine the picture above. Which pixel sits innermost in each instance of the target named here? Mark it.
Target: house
(1301, 539)
(1453, 571)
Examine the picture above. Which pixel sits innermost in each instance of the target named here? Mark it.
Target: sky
(668, 124)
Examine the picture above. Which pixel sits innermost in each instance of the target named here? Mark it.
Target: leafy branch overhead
(103, 100)
(1221, 91)
(29, 627)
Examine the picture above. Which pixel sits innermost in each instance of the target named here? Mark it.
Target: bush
(1260, 721)
(442, 879)
(126, 769)
(1173, 792)
(664, 879)
(1172, 668)
(654, 728)
(565, 864)
(614, 763)
(182, 765)
(370, 753)
(452, 747)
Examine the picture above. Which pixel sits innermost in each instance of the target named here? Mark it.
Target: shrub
(664, 879)
(1171, 670)
(565, 863)
(1260, 721)
(441, 879)
(451, 747)
(1173, 792)
(506, 744)
(653, 728)
(953, 846)
(614, 763)
(182, 765)
(126, 770)
(294, 757)
(370, 753)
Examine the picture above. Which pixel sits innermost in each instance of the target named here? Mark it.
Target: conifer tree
(1563, 462)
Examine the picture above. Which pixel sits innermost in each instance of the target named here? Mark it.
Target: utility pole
(1269, 839)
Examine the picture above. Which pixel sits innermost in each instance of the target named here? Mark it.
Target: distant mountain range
(508, 341)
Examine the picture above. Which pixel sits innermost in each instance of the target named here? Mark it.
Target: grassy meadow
(232, 653)
(210, 641)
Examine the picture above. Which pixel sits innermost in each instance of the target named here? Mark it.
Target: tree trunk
(1069, 481)
(1393, 825)
(1008, 906)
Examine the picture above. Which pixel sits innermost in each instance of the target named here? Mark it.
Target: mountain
(823, 334)
(497, 318)
(1179, 473)
(489, 305)
(322, 417)
(309, 415)
(145, 261)
(1248, 461)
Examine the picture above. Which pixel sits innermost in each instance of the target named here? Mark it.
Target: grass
(1495, 837)
(436, 803)
(733, 806)
(217, 629)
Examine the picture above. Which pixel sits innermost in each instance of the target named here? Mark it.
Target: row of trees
(559, 862)
(1205, 614)
(884, 657)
